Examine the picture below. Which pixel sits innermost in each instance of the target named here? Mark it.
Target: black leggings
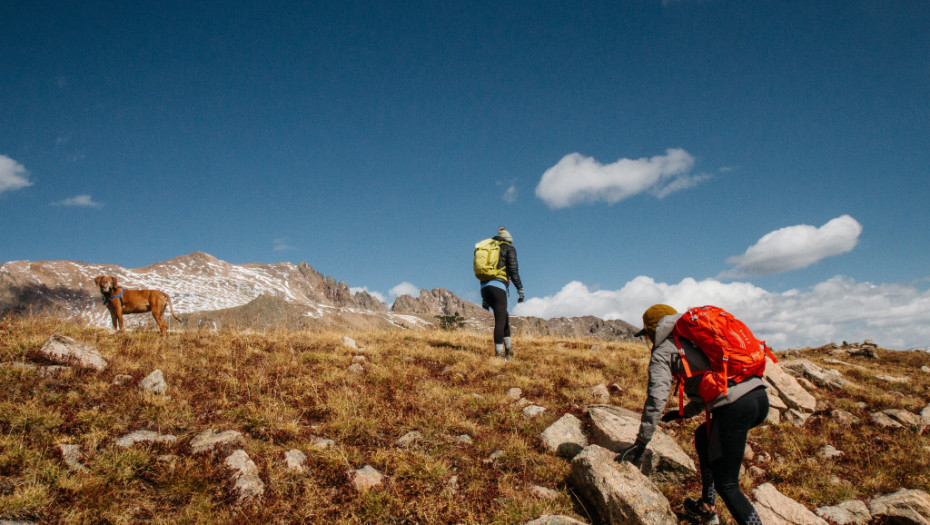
(497, 300)
(721, 454)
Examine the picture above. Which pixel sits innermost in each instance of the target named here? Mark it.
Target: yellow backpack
(487, 255)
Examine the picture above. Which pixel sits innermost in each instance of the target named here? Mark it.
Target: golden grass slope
(283, 389)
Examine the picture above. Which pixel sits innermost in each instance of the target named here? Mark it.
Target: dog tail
(168, 298)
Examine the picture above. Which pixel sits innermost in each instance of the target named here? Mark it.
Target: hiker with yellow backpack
(718, 364)
(496, 266)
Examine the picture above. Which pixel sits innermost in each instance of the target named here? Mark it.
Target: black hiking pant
(497, 300)
(720, 454)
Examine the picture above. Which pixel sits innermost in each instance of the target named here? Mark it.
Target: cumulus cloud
(577, 179)
(358, 289)
(404, 288)
(795, 247)
(13, 175)
(839, 309)
(79, 201)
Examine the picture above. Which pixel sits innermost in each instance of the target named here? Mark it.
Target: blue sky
(770, 157)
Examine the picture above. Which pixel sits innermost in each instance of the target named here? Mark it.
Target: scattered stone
(532, 411)
(357, 368)
(72, 455)
(348, 341)
(796, 417)
(788, 388)
(844, 363)
(294, 459)
(522, 402)
(64, 350)
(773, 417)
(452, 484)
(825, 378)
(245, 474)
(906, 506)
(775, 401)
(775, 508)
(145, 436)
(554, 519)
(122, 379)
(598, 393)
(321, 444)
(756, 471)
(924, 419)
(365, 478)
(514, 393)
(544, 493)
(615, 428)
(154, 383)
(925, 369)
(565, 437)
(464, 439)
(843, 417)
(852, 512)
(619, 492)
(829, 452)
(209, 439)
(492, 459)
(409, 439)
(359, 359)
(867, 351)
(896, 418)
(892, 379)
(748, 453)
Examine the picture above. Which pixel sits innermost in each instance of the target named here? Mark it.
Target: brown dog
(120, 301)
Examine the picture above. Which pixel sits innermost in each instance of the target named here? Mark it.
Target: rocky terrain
(209, 293)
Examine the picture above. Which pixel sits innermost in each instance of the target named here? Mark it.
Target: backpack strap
(681, 352)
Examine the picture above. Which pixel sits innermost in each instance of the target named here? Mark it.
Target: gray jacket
(665, 364)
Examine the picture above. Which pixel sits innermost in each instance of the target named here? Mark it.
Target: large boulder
(904, 507)
(64, 350)
(777, 509)
(788, 388)
(852, 512)
(615, 428)
(822, 377)
(618, 492)
(565, 437)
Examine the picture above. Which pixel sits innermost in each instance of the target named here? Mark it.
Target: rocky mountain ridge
(208, 292)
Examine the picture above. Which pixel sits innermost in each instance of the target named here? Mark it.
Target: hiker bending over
(496, 266)
(720, 441)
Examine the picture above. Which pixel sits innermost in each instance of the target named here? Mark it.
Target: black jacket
(508, 260)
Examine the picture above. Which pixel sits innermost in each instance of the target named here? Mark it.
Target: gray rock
(321, 444)
(154, 383)
(294, 459)
(788, 388)
(245, 474)
(902, 507)
(514, 393)
(492, 459)
(893, 379)
(830, 452)
(66, 351)
(210, 439)
(843, 417)
(554, 519)
(565, 437)
(796, 417)
(619, 492)
(464, 439)
(532, 411)
(409, 439)
(884, 420)
(615, 428)
(544, 493)
(775, 508)
(122, 379)
(72, 454)
(349, 342)
(145, 436)
(366, 478)
(356, 368)
(598, 393)
(359, 359)
(852, 512)
(821, 377)
(903, 418)
(924, 419)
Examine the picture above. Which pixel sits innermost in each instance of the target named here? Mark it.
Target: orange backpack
(734, 353)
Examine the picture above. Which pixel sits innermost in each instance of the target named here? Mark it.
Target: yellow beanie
(651, 318)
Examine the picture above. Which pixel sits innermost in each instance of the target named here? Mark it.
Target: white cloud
(510, 196)
(795, 247)
(836, 310)
(577, 179)
(281, 245)
(404, 288)
(79, 201)
(358, 289)
(13, 175)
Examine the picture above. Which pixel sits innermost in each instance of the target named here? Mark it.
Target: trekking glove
(631, 454)
(672, 416)
(520, 299)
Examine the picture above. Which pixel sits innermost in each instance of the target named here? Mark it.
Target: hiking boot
(696, 509)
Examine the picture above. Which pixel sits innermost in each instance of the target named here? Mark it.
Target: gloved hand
(631, 454)
(485, 305)
(520, 299)
(672, 416)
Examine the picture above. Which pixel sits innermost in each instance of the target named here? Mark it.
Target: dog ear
(113, 279)
(97, 280)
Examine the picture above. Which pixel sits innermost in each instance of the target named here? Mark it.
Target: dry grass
(283, 389)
